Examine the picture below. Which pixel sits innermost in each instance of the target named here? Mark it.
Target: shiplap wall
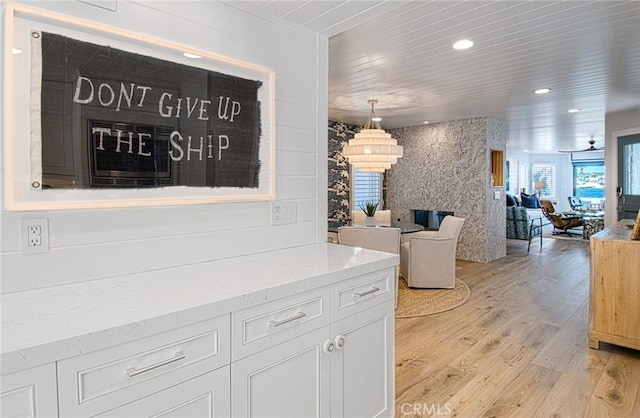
(92, 244)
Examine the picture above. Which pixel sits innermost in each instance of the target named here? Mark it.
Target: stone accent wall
(446, 166)
(496, 208)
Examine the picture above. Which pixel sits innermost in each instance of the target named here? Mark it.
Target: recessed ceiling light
(463, 44)
(425, 122)
(376, 118)
(190, 55)
(525, 150)
(542, 91)
(16, 51)
(573, 110)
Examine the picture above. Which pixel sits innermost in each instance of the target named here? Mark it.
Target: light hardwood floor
(518, 347)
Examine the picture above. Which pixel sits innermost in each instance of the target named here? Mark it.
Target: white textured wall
(90, 244)
(446, 166)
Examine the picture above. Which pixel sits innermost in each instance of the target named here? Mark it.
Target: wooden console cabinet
(614, 288)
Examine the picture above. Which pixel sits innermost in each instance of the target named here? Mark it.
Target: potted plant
(369, 208)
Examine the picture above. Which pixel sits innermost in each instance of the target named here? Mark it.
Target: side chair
(381, 217)
(428, 259)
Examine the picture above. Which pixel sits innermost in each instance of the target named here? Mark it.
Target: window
(631, 168)
(522, 177)
(588, 180)
(366, 187)
(515, 172)
(545, 175)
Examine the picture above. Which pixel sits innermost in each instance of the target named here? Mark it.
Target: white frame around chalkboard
(21, 183)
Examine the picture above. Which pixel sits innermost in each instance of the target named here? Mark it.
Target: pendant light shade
(372, 149)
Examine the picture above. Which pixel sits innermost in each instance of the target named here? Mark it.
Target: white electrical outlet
(35, 236)
(283, 213)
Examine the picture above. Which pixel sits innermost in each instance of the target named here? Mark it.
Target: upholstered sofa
(523, 223)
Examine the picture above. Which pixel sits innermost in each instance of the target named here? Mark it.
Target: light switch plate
(496, 194)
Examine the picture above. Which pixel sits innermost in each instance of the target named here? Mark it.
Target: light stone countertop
(44, 325)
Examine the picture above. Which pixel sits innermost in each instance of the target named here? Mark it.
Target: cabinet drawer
(258, 328)
(206, 396)
(98, 381)
(361, 293)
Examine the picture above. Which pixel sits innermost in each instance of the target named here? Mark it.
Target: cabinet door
(288, 380)
(362, 367)
(29, 393)
(205, 396)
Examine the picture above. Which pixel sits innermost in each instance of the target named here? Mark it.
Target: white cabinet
(310, 335)
(98, 381)
(266, 325)
(342, 370)
(29, 393)
(288, 380)
(362, 370)
(205, 396)
(355, 295)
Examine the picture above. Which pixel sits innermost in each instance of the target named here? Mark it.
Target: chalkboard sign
(125, 120)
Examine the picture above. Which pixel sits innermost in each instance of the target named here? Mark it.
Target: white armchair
(428, 259)
(380, 239)
(332, 237)
(358, 217)
(381, 217)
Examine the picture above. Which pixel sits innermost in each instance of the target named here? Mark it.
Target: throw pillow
(530, 201)
(511, 200)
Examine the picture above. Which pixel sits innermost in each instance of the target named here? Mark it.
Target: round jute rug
(421, 302)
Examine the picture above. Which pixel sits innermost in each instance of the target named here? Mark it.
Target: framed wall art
(96, 116)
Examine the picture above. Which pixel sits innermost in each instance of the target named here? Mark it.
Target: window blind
(522, 177)
(367, 187)
(546, 173)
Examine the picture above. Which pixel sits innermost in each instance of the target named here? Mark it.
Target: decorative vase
(370, 221)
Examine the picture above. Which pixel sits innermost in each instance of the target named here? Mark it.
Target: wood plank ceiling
(399, 52)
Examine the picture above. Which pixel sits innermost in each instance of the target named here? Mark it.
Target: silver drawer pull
(179, 355)
(368, 292)
(284, 321)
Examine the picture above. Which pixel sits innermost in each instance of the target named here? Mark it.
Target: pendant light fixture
(372, 150)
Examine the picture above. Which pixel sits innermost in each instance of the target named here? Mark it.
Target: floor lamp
(539, 185)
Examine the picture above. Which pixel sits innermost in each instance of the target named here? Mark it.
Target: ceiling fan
(591, 147)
